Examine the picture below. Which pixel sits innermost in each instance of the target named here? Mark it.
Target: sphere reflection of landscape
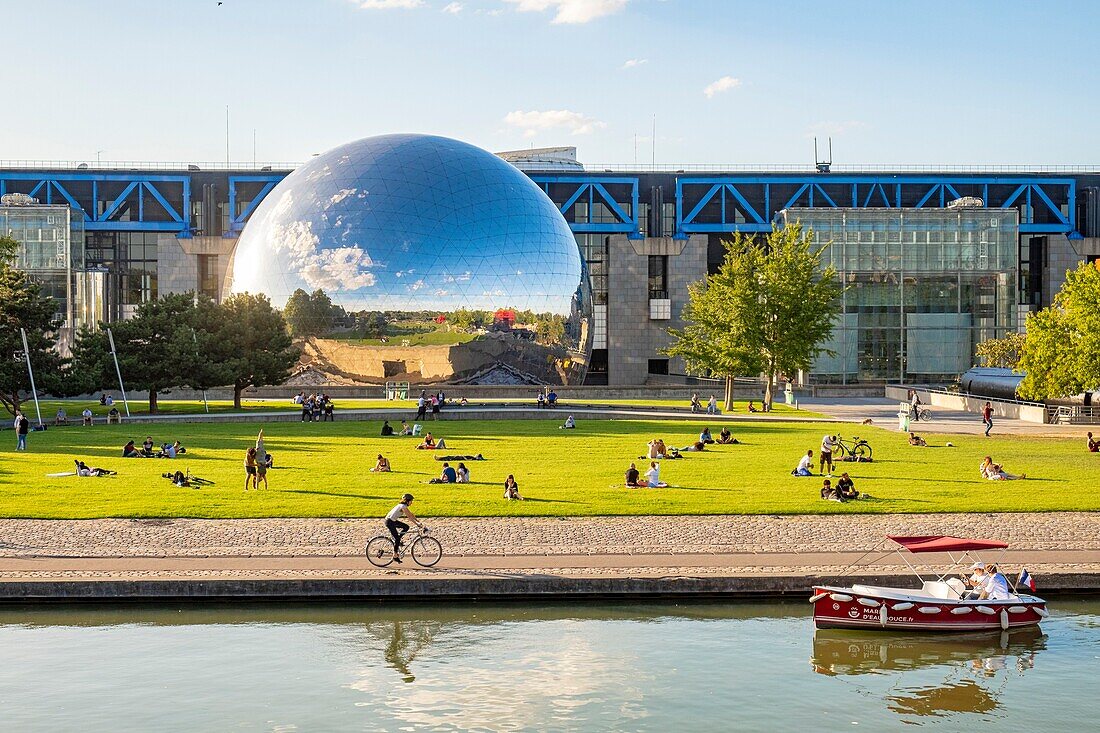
(444, 263)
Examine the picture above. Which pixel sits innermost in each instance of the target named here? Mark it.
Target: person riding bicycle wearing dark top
(398, 528)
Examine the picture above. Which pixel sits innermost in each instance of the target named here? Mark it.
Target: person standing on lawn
(22, 427)
(261, 460)
(987, 417)
(827, 445)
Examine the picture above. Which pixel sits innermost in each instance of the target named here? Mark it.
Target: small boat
(938, 605)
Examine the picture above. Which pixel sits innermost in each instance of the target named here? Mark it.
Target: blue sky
(729, 82)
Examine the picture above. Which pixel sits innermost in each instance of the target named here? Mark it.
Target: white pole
(34, 392)
(118, 371)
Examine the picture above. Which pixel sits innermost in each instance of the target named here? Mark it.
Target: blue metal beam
(593, 186)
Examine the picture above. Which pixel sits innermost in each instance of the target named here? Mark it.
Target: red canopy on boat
(946, 543)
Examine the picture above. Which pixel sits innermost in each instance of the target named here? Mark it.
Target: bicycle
(426, 551)
(924, 413)
(859, 450)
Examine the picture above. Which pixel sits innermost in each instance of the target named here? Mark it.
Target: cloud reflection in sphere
(420, 227)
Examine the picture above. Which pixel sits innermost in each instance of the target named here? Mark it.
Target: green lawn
(322, 471)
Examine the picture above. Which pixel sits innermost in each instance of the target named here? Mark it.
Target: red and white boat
(938, 605)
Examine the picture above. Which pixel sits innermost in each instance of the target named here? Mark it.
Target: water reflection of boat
(976, 666)
(838, 652)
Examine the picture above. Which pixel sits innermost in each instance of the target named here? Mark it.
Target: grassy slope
(322, 472)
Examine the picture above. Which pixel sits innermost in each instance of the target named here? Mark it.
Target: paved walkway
(884, 414)
(115, 549)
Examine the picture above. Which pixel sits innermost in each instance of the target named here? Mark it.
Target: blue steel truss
(748, 203)
(592, 190)
(58, 187)
(237, 220)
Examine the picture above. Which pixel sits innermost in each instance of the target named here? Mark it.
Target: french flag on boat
(1025, 579)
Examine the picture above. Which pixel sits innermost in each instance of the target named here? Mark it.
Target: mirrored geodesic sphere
(451, 265)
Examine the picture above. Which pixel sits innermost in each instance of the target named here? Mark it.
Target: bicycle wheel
(862, 452)
(380, 551)
(925, 414)
(427, 551)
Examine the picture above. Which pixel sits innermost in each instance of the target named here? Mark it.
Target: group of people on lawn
(315, 407)
(657, 450)
(149, 449)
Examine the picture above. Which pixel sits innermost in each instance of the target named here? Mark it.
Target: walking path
(624, 547)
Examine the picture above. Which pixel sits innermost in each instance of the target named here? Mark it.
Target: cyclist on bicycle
(398, 528)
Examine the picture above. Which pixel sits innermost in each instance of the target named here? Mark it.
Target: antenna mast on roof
(823, 166)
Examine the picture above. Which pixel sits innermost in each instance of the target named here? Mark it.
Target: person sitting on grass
(382, 465)
(82, 469)
(1093, 445)
(995, 472)
(130, 450)
(805, 466)
(147, 447)
(752, 408)
(846, 488)
(462, 474)
(653, 476)
(725, 437)
(570, 423)
(704, 437)
(178, 446)
(632, 476)
(918, 441)
(656, 449)
(167, 451)
(405, 429)
(828, 492)
(387, 429)
(428, 443)
(511, 488)
(447, 476)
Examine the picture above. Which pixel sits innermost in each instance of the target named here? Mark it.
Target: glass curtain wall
(923, 287)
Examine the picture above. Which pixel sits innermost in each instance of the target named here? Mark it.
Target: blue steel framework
(591, 202)
(126, 193)
(724, 203)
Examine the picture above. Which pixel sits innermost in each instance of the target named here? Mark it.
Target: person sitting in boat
(995, 472)
(725, 437)
(828, 492)
(846, 488)
(976, 581)
(996, 585)
(1093, 445)
(805, 465)
(916, 440)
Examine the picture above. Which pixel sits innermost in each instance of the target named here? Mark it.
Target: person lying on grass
(477, 457)
(805, 466)
(382, 465)
(447, 476)
(995, 472)
(918, 441)
(698, 447)
(725, 437)
(82, 469)
(511, 488)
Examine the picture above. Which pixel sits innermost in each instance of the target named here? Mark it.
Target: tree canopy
(23, 306)
(1002, 352)
(311, 314)
(1061, 353)
(767, 309)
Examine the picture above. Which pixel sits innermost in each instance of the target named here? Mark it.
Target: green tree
(1061, 354)
(311, 314)
(250, 344)
(1002, 352)
(23, 306)
(768, 309)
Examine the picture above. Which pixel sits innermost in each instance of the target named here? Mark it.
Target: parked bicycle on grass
(856, 449)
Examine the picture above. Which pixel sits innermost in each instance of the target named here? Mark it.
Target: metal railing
(144, 165)
(1073, 414)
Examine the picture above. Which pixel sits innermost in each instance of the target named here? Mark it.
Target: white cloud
(413, 287)
(534, 121)
(722, 85)
(453, 8)
(388, 4)
(464, 277)
(341, 268)
(571, 11)
(631, 63)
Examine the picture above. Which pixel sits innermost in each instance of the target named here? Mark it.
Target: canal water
(473, 667)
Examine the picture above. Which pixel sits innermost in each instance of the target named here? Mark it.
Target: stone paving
(536, 536)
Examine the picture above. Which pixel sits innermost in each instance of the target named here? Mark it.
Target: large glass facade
(922, 288)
